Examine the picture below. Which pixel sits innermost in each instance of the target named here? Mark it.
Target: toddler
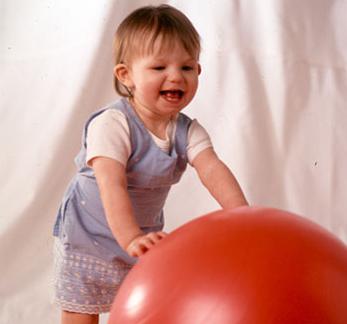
(132, 152)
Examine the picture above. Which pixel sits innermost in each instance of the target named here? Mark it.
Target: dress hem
(83, 309)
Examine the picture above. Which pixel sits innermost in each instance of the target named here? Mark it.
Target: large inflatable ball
(249, 265)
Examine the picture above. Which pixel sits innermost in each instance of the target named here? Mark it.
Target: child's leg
(77, 318)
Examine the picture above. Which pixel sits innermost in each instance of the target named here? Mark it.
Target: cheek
(148, 85)
(194, 82)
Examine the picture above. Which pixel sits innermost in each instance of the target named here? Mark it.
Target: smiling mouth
(172, 94)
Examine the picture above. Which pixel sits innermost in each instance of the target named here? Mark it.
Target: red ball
(248, 265)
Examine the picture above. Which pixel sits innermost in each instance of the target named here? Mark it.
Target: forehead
(161, 45)
(168, 50)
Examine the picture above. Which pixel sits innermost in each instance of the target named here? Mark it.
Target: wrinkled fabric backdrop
(272, 95)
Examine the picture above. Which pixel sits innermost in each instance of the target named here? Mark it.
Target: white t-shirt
(109, 136)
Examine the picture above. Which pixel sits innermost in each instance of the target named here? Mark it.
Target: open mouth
(172, 94)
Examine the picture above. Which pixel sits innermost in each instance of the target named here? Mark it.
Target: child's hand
(142, 243)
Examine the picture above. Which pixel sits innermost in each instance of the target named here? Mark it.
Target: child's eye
(187, 68)
(159, 68)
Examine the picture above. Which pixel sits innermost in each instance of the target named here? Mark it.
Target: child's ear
(199, 69)
(122, 73)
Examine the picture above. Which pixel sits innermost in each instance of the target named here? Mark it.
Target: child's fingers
(137, 249)
(155, 237)
(140, 245)
(147, 242)
(161, 234)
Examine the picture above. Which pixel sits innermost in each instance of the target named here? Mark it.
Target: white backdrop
(272, 94)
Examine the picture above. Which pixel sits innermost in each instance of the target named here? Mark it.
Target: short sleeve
(108, 136)
(198, 140)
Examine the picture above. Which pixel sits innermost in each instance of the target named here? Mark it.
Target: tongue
(172, 95)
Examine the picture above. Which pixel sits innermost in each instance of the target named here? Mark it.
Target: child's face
(163, 82)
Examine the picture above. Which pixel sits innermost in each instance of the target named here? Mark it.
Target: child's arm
(111, 178)
(218, 179)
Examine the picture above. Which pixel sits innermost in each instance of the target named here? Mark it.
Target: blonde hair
(138, 32)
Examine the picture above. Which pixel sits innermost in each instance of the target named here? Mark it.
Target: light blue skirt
(86, 284)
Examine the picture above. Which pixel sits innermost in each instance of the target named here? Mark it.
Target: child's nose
(175, 75)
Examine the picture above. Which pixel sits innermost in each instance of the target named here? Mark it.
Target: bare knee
(78, 318)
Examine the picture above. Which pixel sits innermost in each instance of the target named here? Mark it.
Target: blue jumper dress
(90, 264)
